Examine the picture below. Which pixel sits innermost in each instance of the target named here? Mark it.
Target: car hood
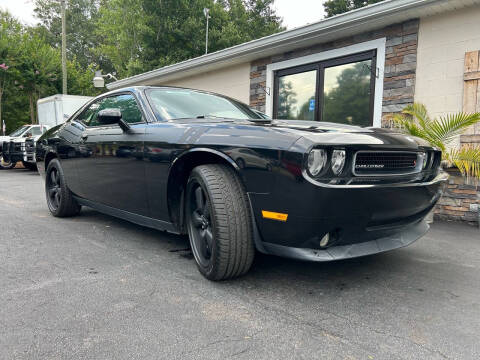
(334, 133)
(4, 138)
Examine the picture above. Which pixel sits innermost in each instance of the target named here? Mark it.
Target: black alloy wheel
(60, 199)
(219, 222)
(200, 225)
(54, 194)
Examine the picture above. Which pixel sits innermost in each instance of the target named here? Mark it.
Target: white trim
(377, 44)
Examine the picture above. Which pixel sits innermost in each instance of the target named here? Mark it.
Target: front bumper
(396, 240)
(360, 220)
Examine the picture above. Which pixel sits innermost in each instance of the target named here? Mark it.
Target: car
(307, 190)
(17, 146)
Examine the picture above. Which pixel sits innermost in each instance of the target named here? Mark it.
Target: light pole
(64, 49)
(206, 12)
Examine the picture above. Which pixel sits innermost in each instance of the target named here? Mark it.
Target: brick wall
(460, 201)
(400, 65)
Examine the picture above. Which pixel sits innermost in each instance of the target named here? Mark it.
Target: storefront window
(296, 96)
(338, 90)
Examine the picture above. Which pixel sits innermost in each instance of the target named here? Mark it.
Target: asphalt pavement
(95, 287)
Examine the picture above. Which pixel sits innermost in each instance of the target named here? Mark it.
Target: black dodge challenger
(197, 163)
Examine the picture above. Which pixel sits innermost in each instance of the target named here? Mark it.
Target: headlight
(338, 161)
(317, 159)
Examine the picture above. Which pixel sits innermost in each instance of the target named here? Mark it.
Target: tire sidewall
(55, 164)
(194, 179)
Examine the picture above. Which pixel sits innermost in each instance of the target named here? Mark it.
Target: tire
(60, 199)
(219, 222)
(6, 165)
(29, 166)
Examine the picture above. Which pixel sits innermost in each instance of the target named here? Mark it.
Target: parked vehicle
(56, 109)
(14, 149)
(159, 157)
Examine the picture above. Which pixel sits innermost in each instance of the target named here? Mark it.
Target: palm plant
(441, 132)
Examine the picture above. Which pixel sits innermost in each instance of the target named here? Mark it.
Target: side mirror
(112, 116)
(27, 135)
(109, 116)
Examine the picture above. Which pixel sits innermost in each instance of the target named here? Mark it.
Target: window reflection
(296, 96)
(346, 93)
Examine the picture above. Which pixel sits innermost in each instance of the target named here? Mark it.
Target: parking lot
(94, 287)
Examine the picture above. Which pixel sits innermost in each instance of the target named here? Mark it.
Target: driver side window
(126, 103)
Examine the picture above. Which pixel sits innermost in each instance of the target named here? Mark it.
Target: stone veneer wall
(460, 201)
(400, 65)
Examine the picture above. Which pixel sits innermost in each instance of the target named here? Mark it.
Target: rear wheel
(59, 197)
(219, 222)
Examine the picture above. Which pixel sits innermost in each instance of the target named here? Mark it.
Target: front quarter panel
(64, 143)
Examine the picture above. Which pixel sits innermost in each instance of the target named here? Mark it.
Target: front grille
(30, 146)
(378, 163)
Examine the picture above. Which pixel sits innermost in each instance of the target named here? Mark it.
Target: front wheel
(219, 222)
(5, 165)
(60, 199)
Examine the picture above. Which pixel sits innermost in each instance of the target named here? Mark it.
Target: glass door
(339, 90)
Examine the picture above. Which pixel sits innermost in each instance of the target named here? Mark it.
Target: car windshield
(171, 104)
(19, 131)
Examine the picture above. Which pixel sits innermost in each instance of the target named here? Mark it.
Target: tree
(10, 29)
(335, 7)
(37, 70)
(141, 35)
(81, 18)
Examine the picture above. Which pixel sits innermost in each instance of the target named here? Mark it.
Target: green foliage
(123, 36)
(335, 7)
(34, 71)
(441, 133)
(467, 160)
(141, 35)
(81, 18)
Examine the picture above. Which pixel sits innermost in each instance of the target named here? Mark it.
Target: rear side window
(126, 103)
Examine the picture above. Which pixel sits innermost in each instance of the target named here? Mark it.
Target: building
(359, 68)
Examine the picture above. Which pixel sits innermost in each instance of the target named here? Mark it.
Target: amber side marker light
(274, 215)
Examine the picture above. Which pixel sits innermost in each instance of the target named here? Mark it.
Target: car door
(112, 171)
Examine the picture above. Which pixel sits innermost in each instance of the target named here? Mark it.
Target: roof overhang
(354, 22)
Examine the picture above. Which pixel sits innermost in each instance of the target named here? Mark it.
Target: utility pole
(64, 49)
(206, 12)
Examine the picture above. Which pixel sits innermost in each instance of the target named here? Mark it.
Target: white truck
(20, 145)
(55, 109)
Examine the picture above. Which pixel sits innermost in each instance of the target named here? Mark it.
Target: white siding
(442, 43)
(232, 81)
